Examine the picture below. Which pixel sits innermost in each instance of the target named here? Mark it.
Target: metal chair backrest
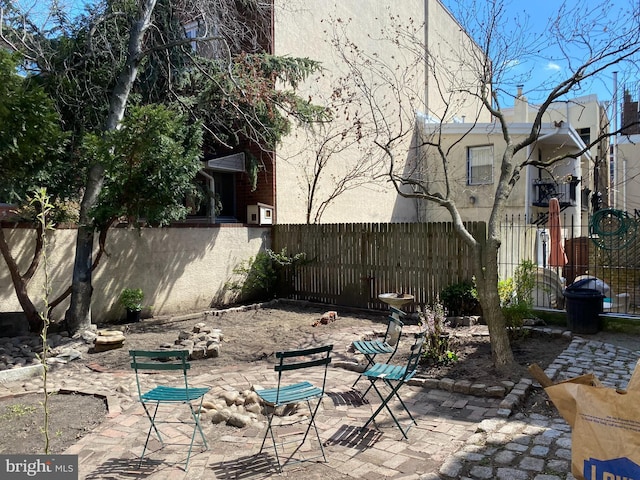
(299, 359)
(416, 353)
(160, 360)
(394, 330)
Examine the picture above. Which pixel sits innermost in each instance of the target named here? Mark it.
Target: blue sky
(549, 65)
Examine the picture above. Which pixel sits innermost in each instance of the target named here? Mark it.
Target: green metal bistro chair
(394, 376)
(143, 361)
(388, 345)
(287, 394)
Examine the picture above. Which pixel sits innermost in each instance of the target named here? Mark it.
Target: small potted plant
(131, 300)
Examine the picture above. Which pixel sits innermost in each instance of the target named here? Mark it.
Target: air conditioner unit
(260, 214)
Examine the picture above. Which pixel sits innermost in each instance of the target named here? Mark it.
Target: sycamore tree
(124, 53)
(474, 75)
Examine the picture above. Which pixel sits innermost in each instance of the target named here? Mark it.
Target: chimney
(520, 107)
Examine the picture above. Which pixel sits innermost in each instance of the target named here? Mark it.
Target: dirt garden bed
(254, 335)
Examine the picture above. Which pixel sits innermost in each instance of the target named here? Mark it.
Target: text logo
(39, 467)
(614, 469)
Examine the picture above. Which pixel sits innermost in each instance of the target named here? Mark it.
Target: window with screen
(480, 165)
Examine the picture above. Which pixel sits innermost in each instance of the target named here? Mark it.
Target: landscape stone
(230, 397)
(447, 384)
(238, 420)
(220, 416)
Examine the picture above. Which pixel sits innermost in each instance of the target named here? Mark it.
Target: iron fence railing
(613, 260)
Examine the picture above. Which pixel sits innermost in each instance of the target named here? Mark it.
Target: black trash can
(584, 306)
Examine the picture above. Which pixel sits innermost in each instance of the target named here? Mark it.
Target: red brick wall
(265, 190)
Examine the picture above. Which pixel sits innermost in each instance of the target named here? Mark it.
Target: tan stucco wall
(453, 69)
(580, 112)
(304, 29)
(628, 174)
(474, 202)
(179, 269)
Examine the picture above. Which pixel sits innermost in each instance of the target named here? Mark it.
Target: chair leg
(369, 359)
(312, 423)
(366, 391)
(403, 405)
(196, 427)
(385, 404)
(152, 419)
(273, 438)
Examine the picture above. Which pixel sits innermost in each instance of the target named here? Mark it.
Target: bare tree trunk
(20, 284)
(101, 250)
(78, 316)
(486, 284)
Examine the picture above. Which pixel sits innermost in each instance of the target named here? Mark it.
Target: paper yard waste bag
(605, 423)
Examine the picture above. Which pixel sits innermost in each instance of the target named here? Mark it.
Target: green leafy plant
(260, 277)
(506, 291)
(516, 294)
(131, 299)
(18, 410)
(437, 350)
(460, 299)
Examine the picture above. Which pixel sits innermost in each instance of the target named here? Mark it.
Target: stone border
(20, 373)
(110, 402)
(517, 395)
(512, 394)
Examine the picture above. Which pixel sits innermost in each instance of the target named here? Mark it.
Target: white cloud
(552, 66)
(512, 63)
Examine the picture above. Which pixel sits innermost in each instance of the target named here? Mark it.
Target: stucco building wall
(628, 174)
(307, 29)
(474, 202)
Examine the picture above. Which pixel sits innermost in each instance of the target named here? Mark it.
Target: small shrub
(437, 349)
(516, 295)
(525, 281)
(259, 277)
(460, 299)
(131, 299)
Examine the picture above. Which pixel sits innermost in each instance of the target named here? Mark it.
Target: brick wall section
(630, 115)
(265, 191)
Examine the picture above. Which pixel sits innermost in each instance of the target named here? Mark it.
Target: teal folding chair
(143, 361)
(288, 394)
(388, 345)
(394, 377)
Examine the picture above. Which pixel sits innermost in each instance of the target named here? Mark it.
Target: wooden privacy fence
(350, 264)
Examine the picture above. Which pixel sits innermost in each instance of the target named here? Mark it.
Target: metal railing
(615, 264)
